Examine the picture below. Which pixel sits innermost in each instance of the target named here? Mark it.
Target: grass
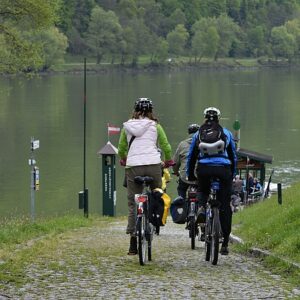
(23, 243)
(16, 231)
(273, 227)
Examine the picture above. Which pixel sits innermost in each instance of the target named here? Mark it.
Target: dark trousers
(182, 188)
(204, 175)
(133, 188)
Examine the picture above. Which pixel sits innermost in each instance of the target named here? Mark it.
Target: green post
(108, 153)
(237, 134)
(279, 193)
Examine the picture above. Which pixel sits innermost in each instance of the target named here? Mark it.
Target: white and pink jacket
(144, 150)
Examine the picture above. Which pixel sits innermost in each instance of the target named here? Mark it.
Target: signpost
(34, 175)
(237, 137)
(108, 153)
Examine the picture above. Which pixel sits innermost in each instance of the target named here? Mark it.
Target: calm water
(51, 109)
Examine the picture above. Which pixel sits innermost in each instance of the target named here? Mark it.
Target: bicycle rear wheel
(215, 236)
(208, 228)
(192, 231)
(141, 233)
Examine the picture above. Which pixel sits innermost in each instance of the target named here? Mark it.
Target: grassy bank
(21, 241)
(16, 231)
(273, 227)
(74, 64)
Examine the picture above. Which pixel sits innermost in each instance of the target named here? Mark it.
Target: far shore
(174, 65)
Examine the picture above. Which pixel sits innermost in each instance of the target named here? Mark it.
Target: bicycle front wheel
(142, 243)
(215, 236)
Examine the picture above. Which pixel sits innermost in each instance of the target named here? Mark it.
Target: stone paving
(91, 263)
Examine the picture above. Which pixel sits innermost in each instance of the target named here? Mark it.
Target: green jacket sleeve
(123, 145)
(163, 142)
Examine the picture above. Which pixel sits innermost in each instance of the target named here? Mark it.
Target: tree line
(34, 35)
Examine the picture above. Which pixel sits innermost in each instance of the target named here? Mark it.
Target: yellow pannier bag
(166, 177)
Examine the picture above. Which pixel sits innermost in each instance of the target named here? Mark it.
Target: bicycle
(213, 231)
(192, 203)
(144, 229)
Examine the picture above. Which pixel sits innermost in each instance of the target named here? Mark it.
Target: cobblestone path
(91, 263)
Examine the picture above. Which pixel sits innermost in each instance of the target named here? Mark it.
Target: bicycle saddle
(143, 179)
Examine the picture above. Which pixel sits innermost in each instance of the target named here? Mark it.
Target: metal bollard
(279, 193)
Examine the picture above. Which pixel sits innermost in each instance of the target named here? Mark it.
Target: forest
(37, 34)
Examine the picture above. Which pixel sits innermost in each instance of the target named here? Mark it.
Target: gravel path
(91, 263)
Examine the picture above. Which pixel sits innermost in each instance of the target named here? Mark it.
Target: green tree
(74, 22)
(212, 8)
(205, 42)
(18, 17)
(160, 50)
(169, 6)
(126, 11)
(53, 43)
(177, 40)
(104, 32)
(137, 40)
(227, 31)
(283, 43)
(293, 27)
(152, 15)
(256, 42)
(233, 10)
(176, 18)
(192, 11)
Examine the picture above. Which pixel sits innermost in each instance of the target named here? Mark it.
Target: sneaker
(201, 215)
(133, 246)
(224, 250)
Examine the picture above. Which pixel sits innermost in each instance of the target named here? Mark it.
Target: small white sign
(115, 198)
(31, 162)
(35, 145)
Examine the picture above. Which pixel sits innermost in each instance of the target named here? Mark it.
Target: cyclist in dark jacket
(180, 160)
(217, 159)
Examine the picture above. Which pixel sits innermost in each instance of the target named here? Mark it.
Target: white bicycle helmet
(211, 113)
(143, 105)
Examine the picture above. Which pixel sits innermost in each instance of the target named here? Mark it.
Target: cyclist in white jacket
(139, 153)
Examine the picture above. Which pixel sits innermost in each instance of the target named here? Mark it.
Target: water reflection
(51, 109)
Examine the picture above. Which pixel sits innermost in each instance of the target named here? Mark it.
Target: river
(50, 109)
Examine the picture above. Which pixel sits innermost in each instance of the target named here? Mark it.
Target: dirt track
(91, 263)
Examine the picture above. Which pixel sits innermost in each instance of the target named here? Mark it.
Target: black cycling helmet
(143, 105)
(193, 128)
(212, 113)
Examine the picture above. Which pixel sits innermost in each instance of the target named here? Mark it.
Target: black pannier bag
(156, 208)
(178, 210)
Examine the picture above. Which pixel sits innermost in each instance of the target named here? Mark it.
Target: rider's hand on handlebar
(123, 162)
(169, 163)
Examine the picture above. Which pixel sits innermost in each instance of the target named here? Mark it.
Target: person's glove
(169, 163)
(123, 162)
